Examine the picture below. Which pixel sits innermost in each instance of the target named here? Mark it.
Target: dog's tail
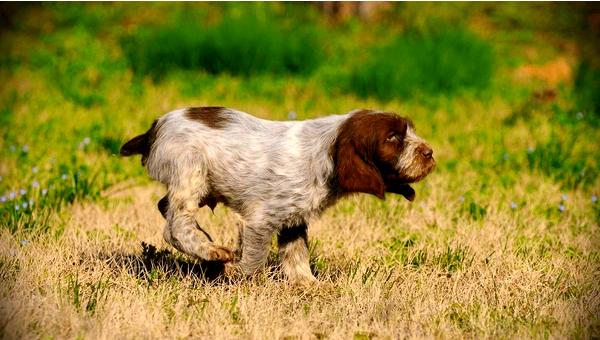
(140, 145)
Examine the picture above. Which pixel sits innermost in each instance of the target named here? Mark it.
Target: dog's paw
(302, 279)
(220, 253)
(232, 271)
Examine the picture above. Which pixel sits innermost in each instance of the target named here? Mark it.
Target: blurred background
(498, 88)
(387, 51)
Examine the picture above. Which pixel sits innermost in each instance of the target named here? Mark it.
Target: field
(502, 241)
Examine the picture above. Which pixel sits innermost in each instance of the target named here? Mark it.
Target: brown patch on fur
(220, 253)
(142, 144)
(211, 200)
(360, 154)
(212, 116)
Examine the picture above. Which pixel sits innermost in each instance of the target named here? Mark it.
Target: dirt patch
(552, 73)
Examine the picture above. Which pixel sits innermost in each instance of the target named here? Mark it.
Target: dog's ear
(355, 172)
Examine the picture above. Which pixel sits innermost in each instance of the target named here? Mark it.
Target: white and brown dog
(277, 175)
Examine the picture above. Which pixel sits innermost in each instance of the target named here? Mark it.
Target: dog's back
(240, 155)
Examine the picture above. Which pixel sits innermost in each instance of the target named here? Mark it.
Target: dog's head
(378, 152)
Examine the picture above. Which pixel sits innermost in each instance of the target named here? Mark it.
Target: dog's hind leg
(163, 207)
(181, 230)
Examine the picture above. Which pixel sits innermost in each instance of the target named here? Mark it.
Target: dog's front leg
(293, 252)
(255, 242)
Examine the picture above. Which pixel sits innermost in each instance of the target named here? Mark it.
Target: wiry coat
(277, 175)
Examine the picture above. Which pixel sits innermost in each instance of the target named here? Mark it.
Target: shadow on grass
(153, 266)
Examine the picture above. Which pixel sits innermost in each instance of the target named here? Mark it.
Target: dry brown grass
(515, 279)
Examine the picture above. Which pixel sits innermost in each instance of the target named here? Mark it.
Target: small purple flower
(44, 192)
(594, 198)
(12, 195)
(461, 199)
(22, 192)
(35, 169)
(64, 177)
(25, 148)
(31, 203)
(35, 184)
(17, 207)
(25, 205)
(562, 207)
(3, 199)
(513, 205)
(564, 197)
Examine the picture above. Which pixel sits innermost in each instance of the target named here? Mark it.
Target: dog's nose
(427, 152)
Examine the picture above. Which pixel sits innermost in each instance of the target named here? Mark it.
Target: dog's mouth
(417, 173)
(407, 191)
(402, 184)
(399, 182)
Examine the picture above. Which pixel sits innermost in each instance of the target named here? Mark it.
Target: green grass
(587, 89)
(244, 45)
(421, 65)
(30, 208)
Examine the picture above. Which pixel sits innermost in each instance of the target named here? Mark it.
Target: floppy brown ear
(356, 174)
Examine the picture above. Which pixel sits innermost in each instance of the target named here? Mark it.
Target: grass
(501, 242)
(434, 64)
(587, 86)
(240, 45)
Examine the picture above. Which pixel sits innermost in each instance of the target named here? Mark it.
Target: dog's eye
(392, 138)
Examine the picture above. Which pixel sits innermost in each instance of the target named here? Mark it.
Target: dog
(277, 175)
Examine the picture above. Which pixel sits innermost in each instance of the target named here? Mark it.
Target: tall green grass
(244, 46)
(439, 63)
(587, 90)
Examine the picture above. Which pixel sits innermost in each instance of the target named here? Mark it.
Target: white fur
(407, 159)
(250, 160)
